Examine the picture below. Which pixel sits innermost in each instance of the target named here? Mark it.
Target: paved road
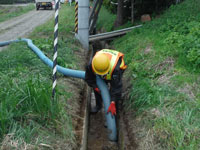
(21, 26)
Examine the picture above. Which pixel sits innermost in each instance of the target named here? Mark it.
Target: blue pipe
(106, 100)
(8, 42)
(46, 60)
(77, 74)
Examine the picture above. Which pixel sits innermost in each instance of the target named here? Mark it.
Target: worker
(109, 65)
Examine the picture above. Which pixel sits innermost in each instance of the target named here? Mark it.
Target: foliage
(23, 1)
(27, 112)
(163, 62)
(111, 6)
(141, 7)
(105, 15)
(6, 1)
(14, 1)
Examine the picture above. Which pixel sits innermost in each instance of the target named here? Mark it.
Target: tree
(120, 14)
(132, 10)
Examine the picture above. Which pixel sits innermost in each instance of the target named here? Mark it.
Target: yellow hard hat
(101, 64)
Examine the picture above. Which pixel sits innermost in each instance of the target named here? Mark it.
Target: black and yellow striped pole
(55, 47)
(76, 17)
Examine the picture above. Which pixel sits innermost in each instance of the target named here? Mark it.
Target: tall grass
(28, 115)
(105, 15)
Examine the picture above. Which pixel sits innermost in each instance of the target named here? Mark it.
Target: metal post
(83, 23)
(76, 17)
(55, 47)
(95, 16)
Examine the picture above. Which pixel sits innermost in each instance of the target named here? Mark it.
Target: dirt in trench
(97, 132)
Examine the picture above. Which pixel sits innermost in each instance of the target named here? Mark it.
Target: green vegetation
(8, 12)
(28, 115)
(7, 2)
(105, 15)
(163, 60)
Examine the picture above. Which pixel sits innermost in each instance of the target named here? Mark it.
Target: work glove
(112, 108)
(97, 90)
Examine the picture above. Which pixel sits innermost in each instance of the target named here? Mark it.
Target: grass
(163, 67)
(28, 115)
(8, 12)
(105, 15)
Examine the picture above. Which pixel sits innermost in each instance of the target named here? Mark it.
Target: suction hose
(47, 61)
(106, 100)
(77, 74)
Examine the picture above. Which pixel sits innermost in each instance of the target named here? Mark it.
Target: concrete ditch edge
(86, 118)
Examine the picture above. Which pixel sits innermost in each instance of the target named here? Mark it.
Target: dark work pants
(98, 99)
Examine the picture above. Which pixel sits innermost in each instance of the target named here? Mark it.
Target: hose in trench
(76, 74)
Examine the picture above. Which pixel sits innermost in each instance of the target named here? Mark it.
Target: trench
(91, 132)
(97, 136)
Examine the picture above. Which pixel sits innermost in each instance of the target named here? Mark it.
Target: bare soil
(98, 133)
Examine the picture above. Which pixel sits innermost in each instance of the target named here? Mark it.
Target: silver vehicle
(44, 4)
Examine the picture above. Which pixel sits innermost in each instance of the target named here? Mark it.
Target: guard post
(76, 17)
(83, 23)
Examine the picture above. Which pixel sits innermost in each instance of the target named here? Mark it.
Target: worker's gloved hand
(97, 90)
(112, 108)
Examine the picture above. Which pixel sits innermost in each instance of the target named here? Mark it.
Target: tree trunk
(120, 14)
(132, 11)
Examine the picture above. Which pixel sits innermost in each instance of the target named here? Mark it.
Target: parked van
(44, 4)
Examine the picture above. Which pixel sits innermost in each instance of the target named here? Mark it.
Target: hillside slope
(163, 100)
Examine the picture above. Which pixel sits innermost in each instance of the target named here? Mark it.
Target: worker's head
(100, 64)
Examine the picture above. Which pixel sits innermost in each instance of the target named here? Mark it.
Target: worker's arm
(116, 88)
(116, 83)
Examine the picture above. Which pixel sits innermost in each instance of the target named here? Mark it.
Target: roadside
(15, 5)
(37, 122)
(22, 25)
(10, 11)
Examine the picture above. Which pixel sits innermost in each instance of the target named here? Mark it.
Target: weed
(166, 78)
(28, 115)
(105, 15)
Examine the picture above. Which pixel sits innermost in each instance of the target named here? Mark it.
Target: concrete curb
(86, 118)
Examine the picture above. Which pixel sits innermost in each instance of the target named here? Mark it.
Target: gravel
(20, 27)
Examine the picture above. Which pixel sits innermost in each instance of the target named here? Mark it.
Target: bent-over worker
(109, 65)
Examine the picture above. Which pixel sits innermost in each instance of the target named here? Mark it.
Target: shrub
(6, 1)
